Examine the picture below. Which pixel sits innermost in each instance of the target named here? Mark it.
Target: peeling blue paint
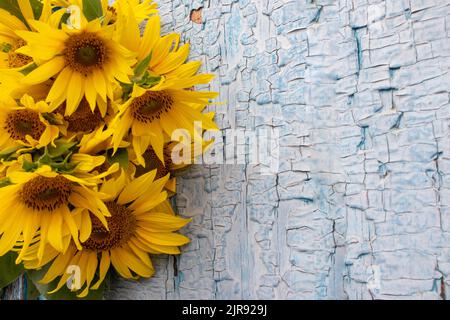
(359, 55)
(233, 30)
(362, 145)
(178, 279)
(397, 122)
(359, 92)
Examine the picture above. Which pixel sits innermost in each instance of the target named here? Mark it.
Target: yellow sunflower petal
(45, 71)
(74, 94)
(105, 262)
(55, 231)
(136, 188)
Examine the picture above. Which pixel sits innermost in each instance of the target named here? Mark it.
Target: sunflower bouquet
(91, 97)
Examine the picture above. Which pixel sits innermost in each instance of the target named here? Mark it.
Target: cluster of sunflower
(91, 94)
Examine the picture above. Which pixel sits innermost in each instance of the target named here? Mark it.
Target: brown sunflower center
(151, 105)
(152, 162)
(85, 52)
(17, 60)
(122, 226)
(83, 119)
(44, 193)
(20, 123)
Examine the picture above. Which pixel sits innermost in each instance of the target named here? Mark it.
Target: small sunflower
(96, 141)
(141, 9)
(84, 164)
(167, 56)
(25, 124)
(169, 166)
(10, 41)
(153, 115)
(12, 88)
(9, 58)
(83, 120)
(163, 168)
(85, 62)
(41, 204)
(141, 223)
(181, 161)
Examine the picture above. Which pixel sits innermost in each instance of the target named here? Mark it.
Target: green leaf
(92, 9)
(27, 69)
(62, 147)
(52, 119)
(37, 6)
(64, 19)
(149, 81)
(5, 154)
(127, 88)
(32, 292)
(64, 293)
(63, 167)
(9, 270)
(12, 7)
(44, 159)
(5, 47)
(29, 166)
(142, 66)
(120, 157)
(5, 182)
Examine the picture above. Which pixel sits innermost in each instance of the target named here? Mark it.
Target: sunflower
(85, 62)
(141, 9)
(167, 57)
(10, 41)
(85, 163)
(12, 88)
(141, 223)
(152, 162)
(83, 120)
(178, 160)
(25, 124)
(40, 205)
(153, 115)
(96, 141)
(167, 166)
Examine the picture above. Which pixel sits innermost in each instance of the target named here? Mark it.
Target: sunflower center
(83, 119)
(87, 56)
(152, 162)
(44, 193)
(85, 52)
(17, 60)
(122, 226)
(151, 105)
(21, 123)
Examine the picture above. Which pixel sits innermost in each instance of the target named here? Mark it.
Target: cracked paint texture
(360, 205)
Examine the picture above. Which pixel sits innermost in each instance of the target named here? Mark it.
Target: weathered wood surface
(359, 208)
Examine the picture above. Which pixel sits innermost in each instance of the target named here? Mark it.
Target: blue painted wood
(359, 207)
